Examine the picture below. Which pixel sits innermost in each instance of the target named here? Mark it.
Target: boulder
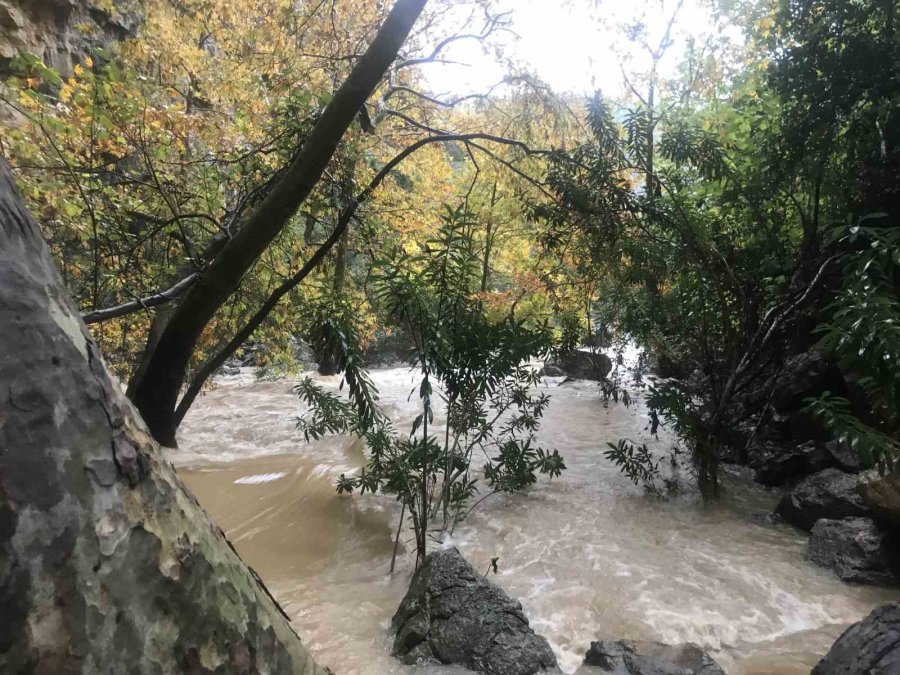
(827, 494)
(870, 647)
(232, 367)
(776, 464)
(883, 497)
(389, 347)
(626, 657)
(804, 375)
(800, 426)
(328, 365)
(453, 615)
(582, 365)
(549, 370)
(854, 548)
(843, 457)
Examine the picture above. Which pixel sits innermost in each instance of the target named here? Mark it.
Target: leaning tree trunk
(156, 394)
(107, 562)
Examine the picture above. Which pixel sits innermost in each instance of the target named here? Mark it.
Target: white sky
(575, 45)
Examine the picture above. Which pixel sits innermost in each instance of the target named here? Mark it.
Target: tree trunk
(156, 394)
(650, 177)
(107, 562)
(341, 203)
(327, 362)
(488, 243)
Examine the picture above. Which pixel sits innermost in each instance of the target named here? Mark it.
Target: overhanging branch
(154, 300)
(218, 359)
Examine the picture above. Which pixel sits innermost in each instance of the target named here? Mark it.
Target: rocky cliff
(62, 32)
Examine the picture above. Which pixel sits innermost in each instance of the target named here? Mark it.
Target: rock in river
(579, 365)
(828, 494)
(550, 370)
(777, 464)
(453, 615)
(844, 458)
(626, 657)
(870, 647)
(855, 548)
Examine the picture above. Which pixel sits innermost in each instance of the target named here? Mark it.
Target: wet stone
(870, 647)
(628, 657)
(828, 494)
(856, 549)
(453, 615)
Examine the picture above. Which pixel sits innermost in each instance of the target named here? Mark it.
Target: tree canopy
(235, 176)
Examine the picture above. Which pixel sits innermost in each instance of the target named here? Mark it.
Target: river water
(589, 555)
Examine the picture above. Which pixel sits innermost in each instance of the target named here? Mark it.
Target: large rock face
(580, 365)
(107, 562)
(626, 657)
(855, 548)
(61, 32)
(453, 615)
(870, 647)
(828, 494)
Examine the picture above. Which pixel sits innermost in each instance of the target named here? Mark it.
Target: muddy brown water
(589, 555)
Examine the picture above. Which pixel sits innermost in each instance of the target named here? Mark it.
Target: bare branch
(492, 24)
(631, 86)
(436, 101)
(451, 136)
(154, 300)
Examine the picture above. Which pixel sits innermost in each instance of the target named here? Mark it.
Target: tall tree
(156, 394)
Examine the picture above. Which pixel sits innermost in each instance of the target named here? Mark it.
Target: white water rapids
(589, 555)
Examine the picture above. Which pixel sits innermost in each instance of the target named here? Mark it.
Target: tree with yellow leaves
(169, 173)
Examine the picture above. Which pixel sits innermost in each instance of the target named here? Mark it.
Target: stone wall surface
(62, 32)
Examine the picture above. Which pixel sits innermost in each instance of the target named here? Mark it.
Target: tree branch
(156, 394)
(492, 23)
(218, 359)
(100, 315)
(395, 89)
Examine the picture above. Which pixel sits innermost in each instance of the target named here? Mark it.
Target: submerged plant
(477, 367)
(635, 461)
